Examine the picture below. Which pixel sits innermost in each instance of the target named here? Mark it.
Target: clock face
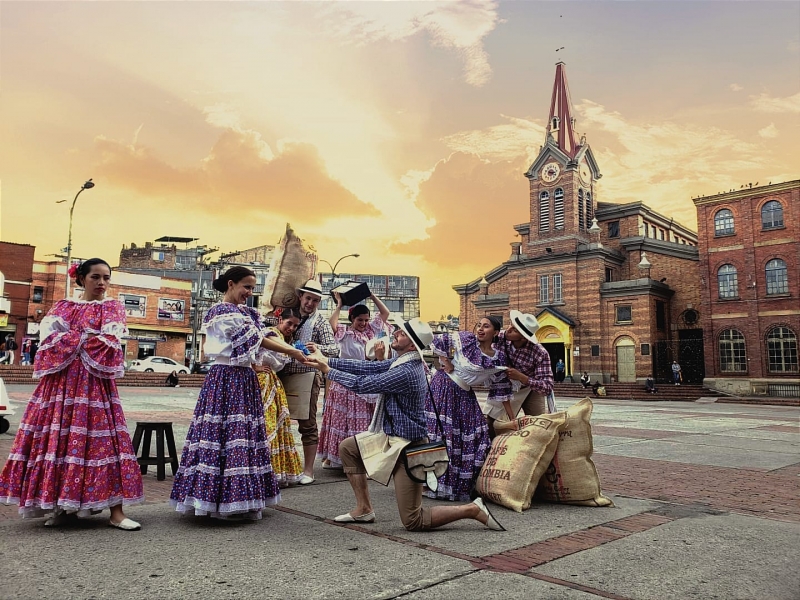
(585, 173)
(551, 171)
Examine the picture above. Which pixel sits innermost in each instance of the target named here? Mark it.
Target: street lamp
(333, 268)
(86, 186)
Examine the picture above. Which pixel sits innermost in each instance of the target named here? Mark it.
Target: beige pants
(408, 493)
(531, 404)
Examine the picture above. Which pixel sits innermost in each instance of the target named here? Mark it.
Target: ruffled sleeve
(60, 342)
(442, 345)
(340, 332)
(274, 360)
(233, 334)
(102, 353)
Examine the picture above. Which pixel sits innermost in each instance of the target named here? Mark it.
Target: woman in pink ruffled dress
(72, 454)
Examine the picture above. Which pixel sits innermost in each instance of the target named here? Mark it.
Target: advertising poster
(135, 306)
(171, 310)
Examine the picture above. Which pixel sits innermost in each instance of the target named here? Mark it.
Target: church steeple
(561, 125)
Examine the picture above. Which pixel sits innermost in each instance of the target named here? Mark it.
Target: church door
(626, 364)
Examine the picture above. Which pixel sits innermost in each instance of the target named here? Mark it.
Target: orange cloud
(239, 173)
(475, 204)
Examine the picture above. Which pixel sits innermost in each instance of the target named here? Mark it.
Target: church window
(723, 222)
(580, 210)
(595, 350)
(558, 209)
(555, 122)
(728, 282)
(661, 315)
(613, 229)
(589, 209)
(624, 313)
(557, 296)
(772, 215)
(645, 349)
(544, 211)
(609, 274)
(777, 277)
(732, 353)
(544, 292)
(782, 350)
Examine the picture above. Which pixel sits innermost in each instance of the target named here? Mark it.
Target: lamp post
(86, 186)
(333, 268)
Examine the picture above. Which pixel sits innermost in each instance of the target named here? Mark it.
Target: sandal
(126, 525)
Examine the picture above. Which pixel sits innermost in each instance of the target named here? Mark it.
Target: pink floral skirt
(344, 415)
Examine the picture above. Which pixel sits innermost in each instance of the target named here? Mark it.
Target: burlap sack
(518, 459)
(293, 264)
(572, 477)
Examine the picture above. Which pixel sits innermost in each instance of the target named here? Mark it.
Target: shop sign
(135, 306)
(3, 319)
(171, 310)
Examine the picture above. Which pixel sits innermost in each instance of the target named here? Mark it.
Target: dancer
(72, 454)
(286, 463)
(346, 413)
(225, 469)
(475, 361)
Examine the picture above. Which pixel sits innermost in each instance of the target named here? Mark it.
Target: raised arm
(382, 310)
(334, 318)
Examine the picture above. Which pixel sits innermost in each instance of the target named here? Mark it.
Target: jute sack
(518, 459)
(572, 477)
(291, 267)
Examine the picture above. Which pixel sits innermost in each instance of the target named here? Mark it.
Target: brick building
(15, 289)
(607, 282)
(749, 242)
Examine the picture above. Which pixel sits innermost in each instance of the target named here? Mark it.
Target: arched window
(589, 209)
(580, 210)
(555, 122)
(772, 215)
(728, 282)
(777, 277)
(782, 350)
(544, 211)
(723, 222)
(732, 355)
(558, 209)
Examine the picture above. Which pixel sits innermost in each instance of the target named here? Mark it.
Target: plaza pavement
(706, 506)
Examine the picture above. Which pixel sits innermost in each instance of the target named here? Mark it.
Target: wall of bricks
(148, 257)
(15, 264)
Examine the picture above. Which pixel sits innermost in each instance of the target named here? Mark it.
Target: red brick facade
(15, 265)
(148, 257)
(741, 237)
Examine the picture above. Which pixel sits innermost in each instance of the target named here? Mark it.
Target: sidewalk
(706, 507)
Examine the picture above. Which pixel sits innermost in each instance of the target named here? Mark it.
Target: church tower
(563, 176)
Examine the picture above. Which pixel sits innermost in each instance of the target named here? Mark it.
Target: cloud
(240, 173)
(513, 140)
(766, 103)
(735, 87)
(770, 131)
(457, 26)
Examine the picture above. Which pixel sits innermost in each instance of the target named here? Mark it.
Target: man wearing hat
(398, 421)
(315, 332)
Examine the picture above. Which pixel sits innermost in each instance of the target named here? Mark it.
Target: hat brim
(516, 321)
(413, 337)
(305, 290)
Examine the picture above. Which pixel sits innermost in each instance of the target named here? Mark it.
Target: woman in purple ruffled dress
(225, 469)
(472, 360)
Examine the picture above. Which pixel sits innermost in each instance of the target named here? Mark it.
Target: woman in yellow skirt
(285, 460)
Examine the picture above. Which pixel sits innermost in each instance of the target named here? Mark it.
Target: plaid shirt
(403, 388)
(322, 336)
(531, 360)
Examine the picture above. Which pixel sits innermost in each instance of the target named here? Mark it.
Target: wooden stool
(162, 430)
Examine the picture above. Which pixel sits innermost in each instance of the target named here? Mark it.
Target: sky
(396, 130)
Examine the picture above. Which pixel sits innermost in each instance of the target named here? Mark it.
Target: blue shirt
(403, 388)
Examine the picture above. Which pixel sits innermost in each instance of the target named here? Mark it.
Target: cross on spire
(561, 124)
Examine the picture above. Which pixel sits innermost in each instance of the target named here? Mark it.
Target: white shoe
(491, 522)
(305, 480)
(348, 518)
(126, 525)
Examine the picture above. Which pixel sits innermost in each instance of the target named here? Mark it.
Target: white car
(158, 364)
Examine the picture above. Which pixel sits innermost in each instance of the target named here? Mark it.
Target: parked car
(158, 364)
(203, 367)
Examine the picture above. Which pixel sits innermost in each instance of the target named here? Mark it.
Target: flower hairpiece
(73, 270)
(278, 311)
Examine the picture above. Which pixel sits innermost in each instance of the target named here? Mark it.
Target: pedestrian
(650, 384)
(475, 361)
(72, 454)
(529, 364)
(560, 371)
(225, 470)
(302, 381)
(399, 420)
(4, 354)
(585, 380)
(26, 352)
(285, 459)
(34, 349)
(346, 413)
(677, 376)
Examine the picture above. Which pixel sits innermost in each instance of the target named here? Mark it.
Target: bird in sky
(557, 49)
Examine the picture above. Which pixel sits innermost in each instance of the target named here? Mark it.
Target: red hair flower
(73, 270)
(277, 312)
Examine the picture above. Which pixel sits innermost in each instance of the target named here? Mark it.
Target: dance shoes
(491, 522)
(348, 518)
(126, 525)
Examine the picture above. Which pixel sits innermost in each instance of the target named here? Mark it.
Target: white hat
(526, 324)
(419, 332)
(311, 286)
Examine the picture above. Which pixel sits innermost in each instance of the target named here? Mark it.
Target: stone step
(24, 375)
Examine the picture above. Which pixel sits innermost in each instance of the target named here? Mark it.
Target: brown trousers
(534, 405)
(407, 492)
(309, 434)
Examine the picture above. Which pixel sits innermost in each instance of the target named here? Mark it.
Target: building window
(661, 315)
(661, 234)
(609, 274)
(723, 222)
(595, 350)
(728, 282)
(558, 209)
(589, 210)
(782, 350)
(777, 277)
(732, 355)
(38, 294)
(624, 314)
(580, 210)
(645, 349)
(772, 215)
(544, 292)
(544, 211)
(613, 229)
(557, 297)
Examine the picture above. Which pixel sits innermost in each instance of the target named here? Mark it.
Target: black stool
(162, 430)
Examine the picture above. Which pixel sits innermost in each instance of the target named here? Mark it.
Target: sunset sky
(397, 130)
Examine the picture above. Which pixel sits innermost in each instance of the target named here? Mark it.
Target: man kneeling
(399, 420)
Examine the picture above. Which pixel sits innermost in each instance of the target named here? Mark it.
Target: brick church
(615, 287)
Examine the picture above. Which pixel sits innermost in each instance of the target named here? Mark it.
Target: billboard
(135, 306)
(171, 310)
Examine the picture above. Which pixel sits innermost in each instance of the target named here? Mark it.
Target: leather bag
(428, 461)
